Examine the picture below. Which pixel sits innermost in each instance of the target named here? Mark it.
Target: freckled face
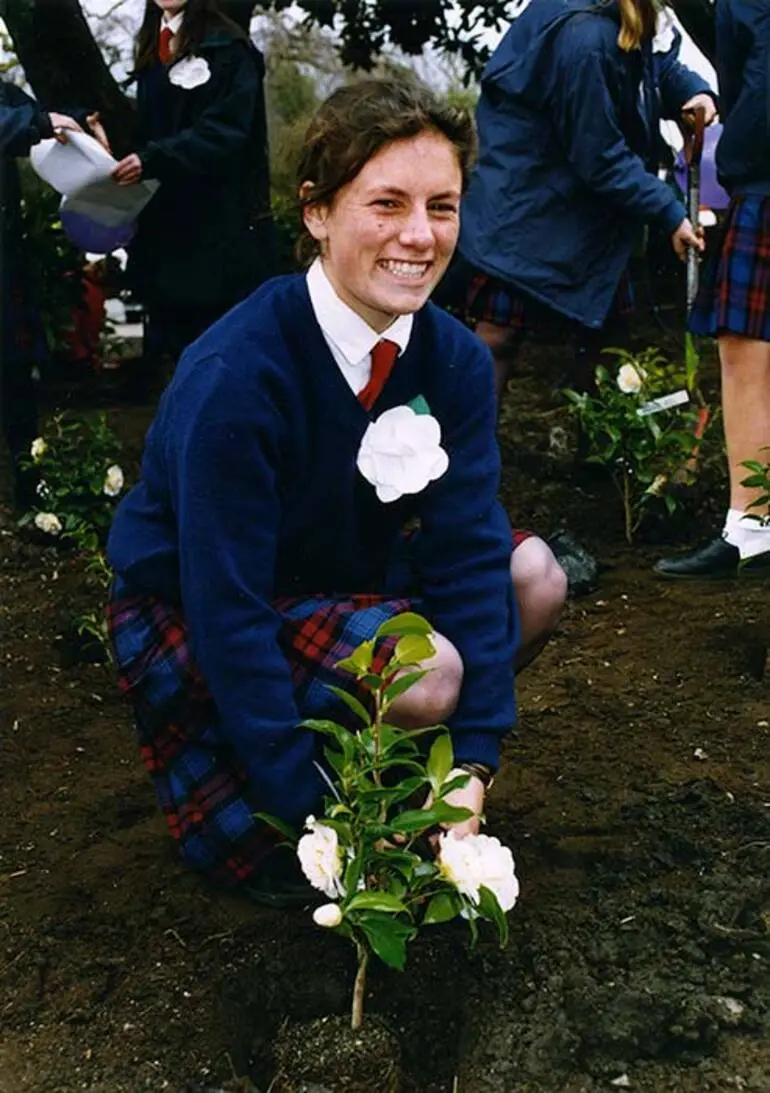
(388, 235)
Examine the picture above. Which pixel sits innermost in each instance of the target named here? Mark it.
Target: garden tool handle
(694, 135)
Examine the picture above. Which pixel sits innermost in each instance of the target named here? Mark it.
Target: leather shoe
(716, 560)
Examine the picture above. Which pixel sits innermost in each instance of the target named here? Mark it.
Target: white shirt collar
(345, 329)
(173, 22)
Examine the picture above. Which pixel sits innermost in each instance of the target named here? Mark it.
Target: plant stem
(357, 1013)
(627, 507)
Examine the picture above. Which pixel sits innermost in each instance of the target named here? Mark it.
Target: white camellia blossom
(38, 448)
(48, 522)
(630, 380)
(401, 453)
(190, 72)
(329, 915)
(479, 861)
(42, 489)
(113, 481)
(320, 858)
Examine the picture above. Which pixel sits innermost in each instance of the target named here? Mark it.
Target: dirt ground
(636, 797)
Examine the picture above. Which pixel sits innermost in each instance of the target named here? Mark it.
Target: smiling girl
(266, 540)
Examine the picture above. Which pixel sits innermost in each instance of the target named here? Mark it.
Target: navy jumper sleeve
(222, 450)
(587, 123)
(22, 122)
(206, 147)
(676, 82)
(465, 557)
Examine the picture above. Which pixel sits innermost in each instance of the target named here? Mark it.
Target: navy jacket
(568, 126)
(250, 490)
(22, 124)
(204, 241)
(743, 66)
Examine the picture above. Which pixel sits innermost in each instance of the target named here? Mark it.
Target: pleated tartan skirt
(202, 787)
(734, 297)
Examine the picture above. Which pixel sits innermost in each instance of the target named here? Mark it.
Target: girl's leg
(745, 366)
(540, 585)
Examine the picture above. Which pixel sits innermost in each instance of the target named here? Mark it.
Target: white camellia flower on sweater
(113, 481)
(479, 861)
(38, 448)
(190, 72)
(401, 453)
(630, 380)
(328, 915)
(48, 522)
(320, 858)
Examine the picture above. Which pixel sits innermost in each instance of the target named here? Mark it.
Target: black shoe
(714, 561)
(758, 566)
(280, 883)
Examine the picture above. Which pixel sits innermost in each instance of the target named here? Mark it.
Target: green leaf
(489, 908)
(328, 728)
(352, 703)
(403, 683)
(413, 649)
(387, 937)
(460, 782)
(440, 760)
(376, 901)
(360, 660)
(420, 819)
(408, 622)
(272, 821)
(442, 908)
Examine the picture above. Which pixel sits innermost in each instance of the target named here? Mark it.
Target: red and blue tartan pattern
(201, 786)
(734, 296)
(489, 299)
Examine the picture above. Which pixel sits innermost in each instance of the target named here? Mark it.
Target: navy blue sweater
(249, 489)
(743, 66)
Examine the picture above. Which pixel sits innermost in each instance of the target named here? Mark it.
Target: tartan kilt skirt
(734, 297)
(201, 786)
(489, 299)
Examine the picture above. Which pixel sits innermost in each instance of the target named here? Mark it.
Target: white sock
(749, 536)
(733, 518)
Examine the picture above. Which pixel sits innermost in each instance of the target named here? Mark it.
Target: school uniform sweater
(743, 66)
(249, 490)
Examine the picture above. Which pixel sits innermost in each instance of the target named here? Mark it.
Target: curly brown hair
(358, 120)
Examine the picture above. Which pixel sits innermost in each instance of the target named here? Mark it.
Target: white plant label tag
(665, 402)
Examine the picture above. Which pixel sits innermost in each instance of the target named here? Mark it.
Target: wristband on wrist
(480, 771)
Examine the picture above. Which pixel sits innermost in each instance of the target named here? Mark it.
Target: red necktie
(164, 45)
(383, 358)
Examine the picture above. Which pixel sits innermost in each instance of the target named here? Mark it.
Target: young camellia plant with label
(636, 427)
(385, 864)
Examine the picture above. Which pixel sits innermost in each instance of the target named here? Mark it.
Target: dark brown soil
(636, 796)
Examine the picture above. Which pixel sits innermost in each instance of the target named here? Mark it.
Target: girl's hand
(97, 130)
(129, 171)
(686, 237)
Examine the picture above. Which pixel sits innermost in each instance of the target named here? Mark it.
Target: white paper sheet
(81, 170)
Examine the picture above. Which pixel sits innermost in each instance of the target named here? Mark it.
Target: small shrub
(641, 450)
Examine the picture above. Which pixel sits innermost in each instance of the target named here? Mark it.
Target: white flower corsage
(401, 453)
(665, 33)
(190, 72)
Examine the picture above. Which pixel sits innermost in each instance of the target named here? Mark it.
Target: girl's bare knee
(434, 698)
